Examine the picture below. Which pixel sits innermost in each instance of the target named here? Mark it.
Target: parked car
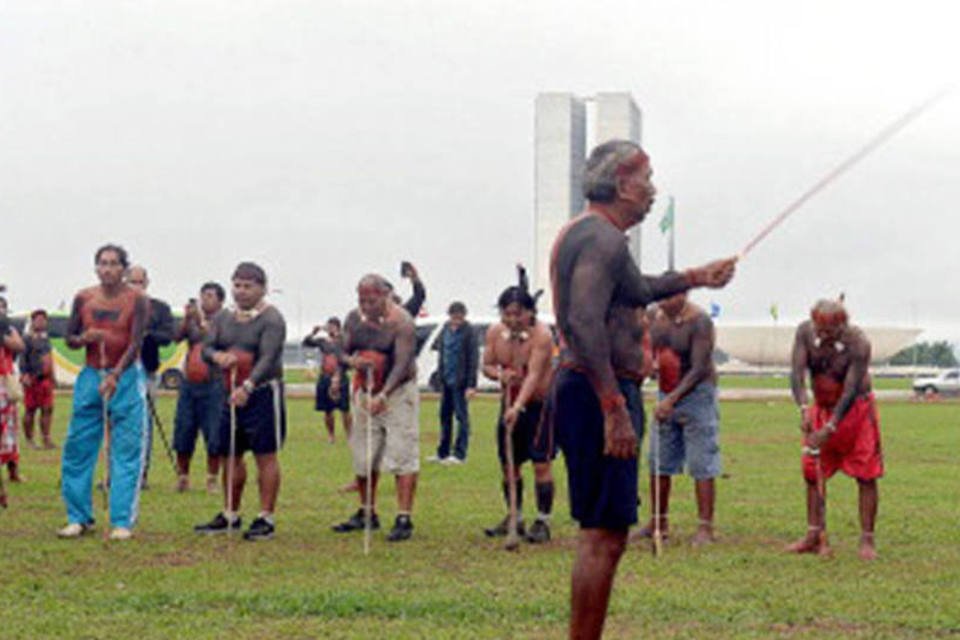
(946, 382)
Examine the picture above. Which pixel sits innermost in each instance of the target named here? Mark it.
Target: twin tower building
(567, 127)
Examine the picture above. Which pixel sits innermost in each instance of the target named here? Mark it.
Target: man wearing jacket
(459, 357)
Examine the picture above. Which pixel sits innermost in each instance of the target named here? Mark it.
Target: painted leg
(598, 553)
(869, 502)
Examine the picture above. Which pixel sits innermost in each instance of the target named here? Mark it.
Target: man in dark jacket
(159, 333)
(459, 356)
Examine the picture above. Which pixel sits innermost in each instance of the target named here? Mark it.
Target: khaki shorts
(395, 433)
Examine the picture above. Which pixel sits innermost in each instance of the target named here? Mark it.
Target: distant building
(566, 127)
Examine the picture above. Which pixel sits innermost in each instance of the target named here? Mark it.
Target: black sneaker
(539, 532)
(402, 529)
(357, 522)
(219, 524)
(260, 529)
(500, 529)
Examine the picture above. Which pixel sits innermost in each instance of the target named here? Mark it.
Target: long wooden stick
(888, 132)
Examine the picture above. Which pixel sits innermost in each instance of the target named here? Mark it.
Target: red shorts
(39, 395)
(854, 448)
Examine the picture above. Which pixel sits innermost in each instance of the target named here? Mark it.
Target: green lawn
(783, 382)
(451, 582)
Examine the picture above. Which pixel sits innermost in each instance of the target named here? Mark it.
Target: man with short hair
(201, 398)
(380, 343)
(519, 355)
(457, 366)
(246, 346)
(596, 289)
(11, 343)
(686, 428)
(159, 333)
(37, 375)
(841, 429)
(332, 391)
(108, 321)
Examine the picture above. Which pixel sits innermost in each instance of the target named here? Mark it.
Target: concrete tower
(563, 131)
(559, 154)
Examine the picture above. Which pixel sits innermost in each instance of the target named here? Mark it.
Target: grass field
(451, 582)
(302, 375)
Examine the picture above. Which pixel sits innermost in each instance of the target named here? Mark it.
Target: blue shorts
(532, 437)
(603, 490)
(690, 436)
(199, 406)
(261, 423)
(322, 400)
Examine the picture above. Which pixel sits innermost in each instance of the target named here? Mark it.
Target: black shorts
(261, 423)
(323, 401)
(603, 490)
(532, 437)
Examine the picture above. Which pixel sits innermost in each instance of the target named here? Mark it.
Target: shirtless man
(200, 398)
(333, 376)
(36, 373)
(245, 344)
(380, 343)
(108, 321)
(518, 354)
(682, 338)
(596, 289)
(841, 430)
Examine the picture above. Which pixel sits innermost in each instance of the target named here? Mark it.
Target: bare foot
(183, 483)
(867, 550)
(704, 536)
(812, 543)
(49, 445)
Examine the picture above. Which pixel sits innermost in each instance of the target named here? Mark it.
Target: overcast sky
(329, 139)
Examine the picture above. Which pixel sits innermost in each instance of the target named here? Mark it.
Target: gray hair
(600, 172)
(376, 281)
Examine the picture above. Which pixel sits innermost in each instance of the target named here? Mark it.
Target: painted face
(209, 301)
(828, 332)
(514, 317)
(247, 293)
(109, 268)
(456, 320)
(137, 278)
(636, 187)
(372, 302)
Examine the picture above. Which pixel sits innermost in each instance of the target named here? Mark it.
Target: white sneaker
(452, 461)
(73, 530)
(121, 533)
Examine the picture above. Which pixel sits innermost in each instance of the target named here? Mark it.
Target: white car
(947, 382)
(428, 345)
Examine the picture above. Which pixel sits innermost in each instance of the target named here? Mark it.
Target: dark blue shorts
(199, 406)
(603, 490)
(323, 401)
(532, 437)
(261, 423)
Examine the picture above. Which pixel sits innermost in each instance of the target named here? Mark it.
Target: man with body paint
(108, 321)
(841, 430)
(379, 343)
(597, 288)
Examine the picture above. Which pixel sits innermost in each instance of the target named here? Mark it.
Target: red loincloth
(854, 448)
(669, 367)
(379, 371)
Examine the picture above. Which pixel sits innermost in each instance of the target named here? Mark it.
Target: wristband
(248, 385)
(611, 401)
(830, 427)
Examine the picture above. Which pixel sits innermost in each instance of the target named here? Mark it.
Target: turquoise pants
(128, 432)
